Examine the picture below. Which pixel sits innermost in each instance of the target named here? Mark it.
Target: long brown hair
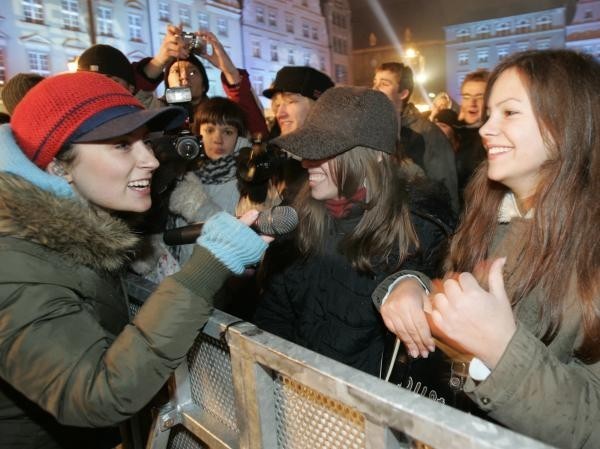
(562, 241)
(385, 224)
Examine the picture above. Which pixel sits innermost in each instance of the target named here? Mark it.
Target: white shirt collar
(509, 209)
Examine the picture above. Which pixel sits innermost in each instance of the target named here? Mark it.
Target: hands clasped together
(461, 313)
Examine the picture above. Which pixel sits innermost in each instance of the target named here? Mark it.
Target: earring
(58, 170)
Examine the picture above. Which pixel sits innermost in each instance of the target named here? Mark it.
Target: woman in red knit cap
(71, 366)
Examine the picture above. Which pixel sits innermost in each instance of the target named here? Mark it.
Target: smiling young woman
(533, 317)
(72, 366)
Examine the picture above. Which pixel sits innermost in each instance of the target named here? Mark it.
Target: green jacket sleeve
(54, 351)
(533, 392)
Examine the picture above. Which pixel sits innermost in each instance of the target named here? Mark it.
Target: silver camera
(178, 95)
(193, 42)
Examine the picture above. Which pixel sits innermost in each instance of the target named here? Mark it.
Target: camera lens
(187, 147)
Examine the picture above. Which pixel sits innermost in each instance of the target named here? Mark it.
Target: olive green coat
(68, 356)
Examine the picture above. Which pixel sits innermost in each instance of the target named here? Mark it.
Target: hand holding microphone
(278, 220)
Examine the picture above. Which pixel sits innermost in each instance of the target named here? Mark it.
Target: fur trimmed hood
(87, 235)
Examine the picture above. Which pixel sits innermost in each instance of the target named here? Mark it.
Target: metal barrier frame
(392, 416)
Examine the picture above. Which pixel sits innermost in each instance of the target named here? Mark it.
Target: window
(482, 55)
(502, 29)
(544, 44)
(33, 11)
(274, 53)
(289, 24)
(463, 35)
(222, 27)
(135, 27)
(2, 66)
(260, 14)
(523, 26)
(339, 20)
(502, 52)
(340, 46)
(272, 18)
(305, 30)
(463, 58)
(291, 59)
(315, 33)
(543, 23)
(306, 58)
(38, 62)
(104, 21)
(203, 21)
(258, 83)
(304, 2)
(588, 14)
(70, 14)
(483, 31)
(164, 13)
(185, 17)
(322, 63)
(341, 74)
(522, 46)
(256, 49)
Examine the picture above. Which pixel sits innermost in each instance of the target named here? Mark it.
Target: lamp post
(91, 22)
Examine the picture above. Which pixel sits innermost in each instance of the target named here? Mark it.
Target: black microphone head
(277, 221)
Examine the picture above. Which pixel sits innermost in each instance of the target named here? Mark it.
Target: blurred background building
(347, 39)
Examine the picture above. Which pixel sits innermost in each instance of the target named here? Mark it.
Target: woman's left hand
(480, 322)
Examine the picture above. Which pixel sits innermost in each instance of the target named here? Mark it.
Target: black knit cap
(107, 60)
(16, 88)
(305, 81)
(194, 61)
(344, 118)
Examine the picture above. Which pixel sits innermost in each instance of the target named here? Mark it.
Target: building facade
(277, 33)
(482, 44)
(46, 36)
(338, 19)
(583, 33)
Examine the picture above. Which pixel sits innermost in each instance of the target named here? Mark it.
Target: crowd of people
(471, 229)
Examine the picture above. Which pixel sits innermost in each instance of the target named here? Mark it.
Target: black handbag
(440, 377)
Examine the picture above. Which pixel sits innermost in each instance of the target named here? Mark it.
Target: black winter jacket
(322, 303)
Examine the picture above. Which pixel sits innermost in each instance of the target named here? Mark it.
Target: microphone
(278, 220)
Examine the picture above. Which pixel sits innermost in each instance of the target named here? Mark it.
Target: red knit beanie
(55, 108)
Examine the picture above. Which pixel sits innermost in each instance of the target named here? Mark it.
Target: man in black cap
(141, 76)
(293, 94)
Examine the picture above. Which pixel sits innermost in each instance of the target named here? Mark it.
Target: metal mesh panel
(308, 419)
(180, 438)
(212, 380)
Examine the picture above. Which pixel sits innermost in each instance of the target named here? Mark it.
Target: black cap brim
(162, 119)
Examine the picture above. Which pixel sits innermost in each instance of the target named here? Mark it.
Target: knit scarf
(340, 208)
(219, 171)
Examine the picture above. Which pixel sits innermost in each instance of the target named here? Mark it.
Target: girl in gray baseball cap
(356, 226)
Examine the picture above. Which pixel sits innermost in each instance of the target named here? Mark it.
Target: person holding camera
(186, 80)
(142, 77)
(72, 365)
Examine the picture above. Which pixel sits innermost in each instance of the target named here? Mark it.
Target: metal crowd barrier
(245, 388)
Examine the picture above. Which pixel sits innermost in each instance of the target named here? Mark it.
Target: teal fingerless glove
(13, 160)
(232, 242)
